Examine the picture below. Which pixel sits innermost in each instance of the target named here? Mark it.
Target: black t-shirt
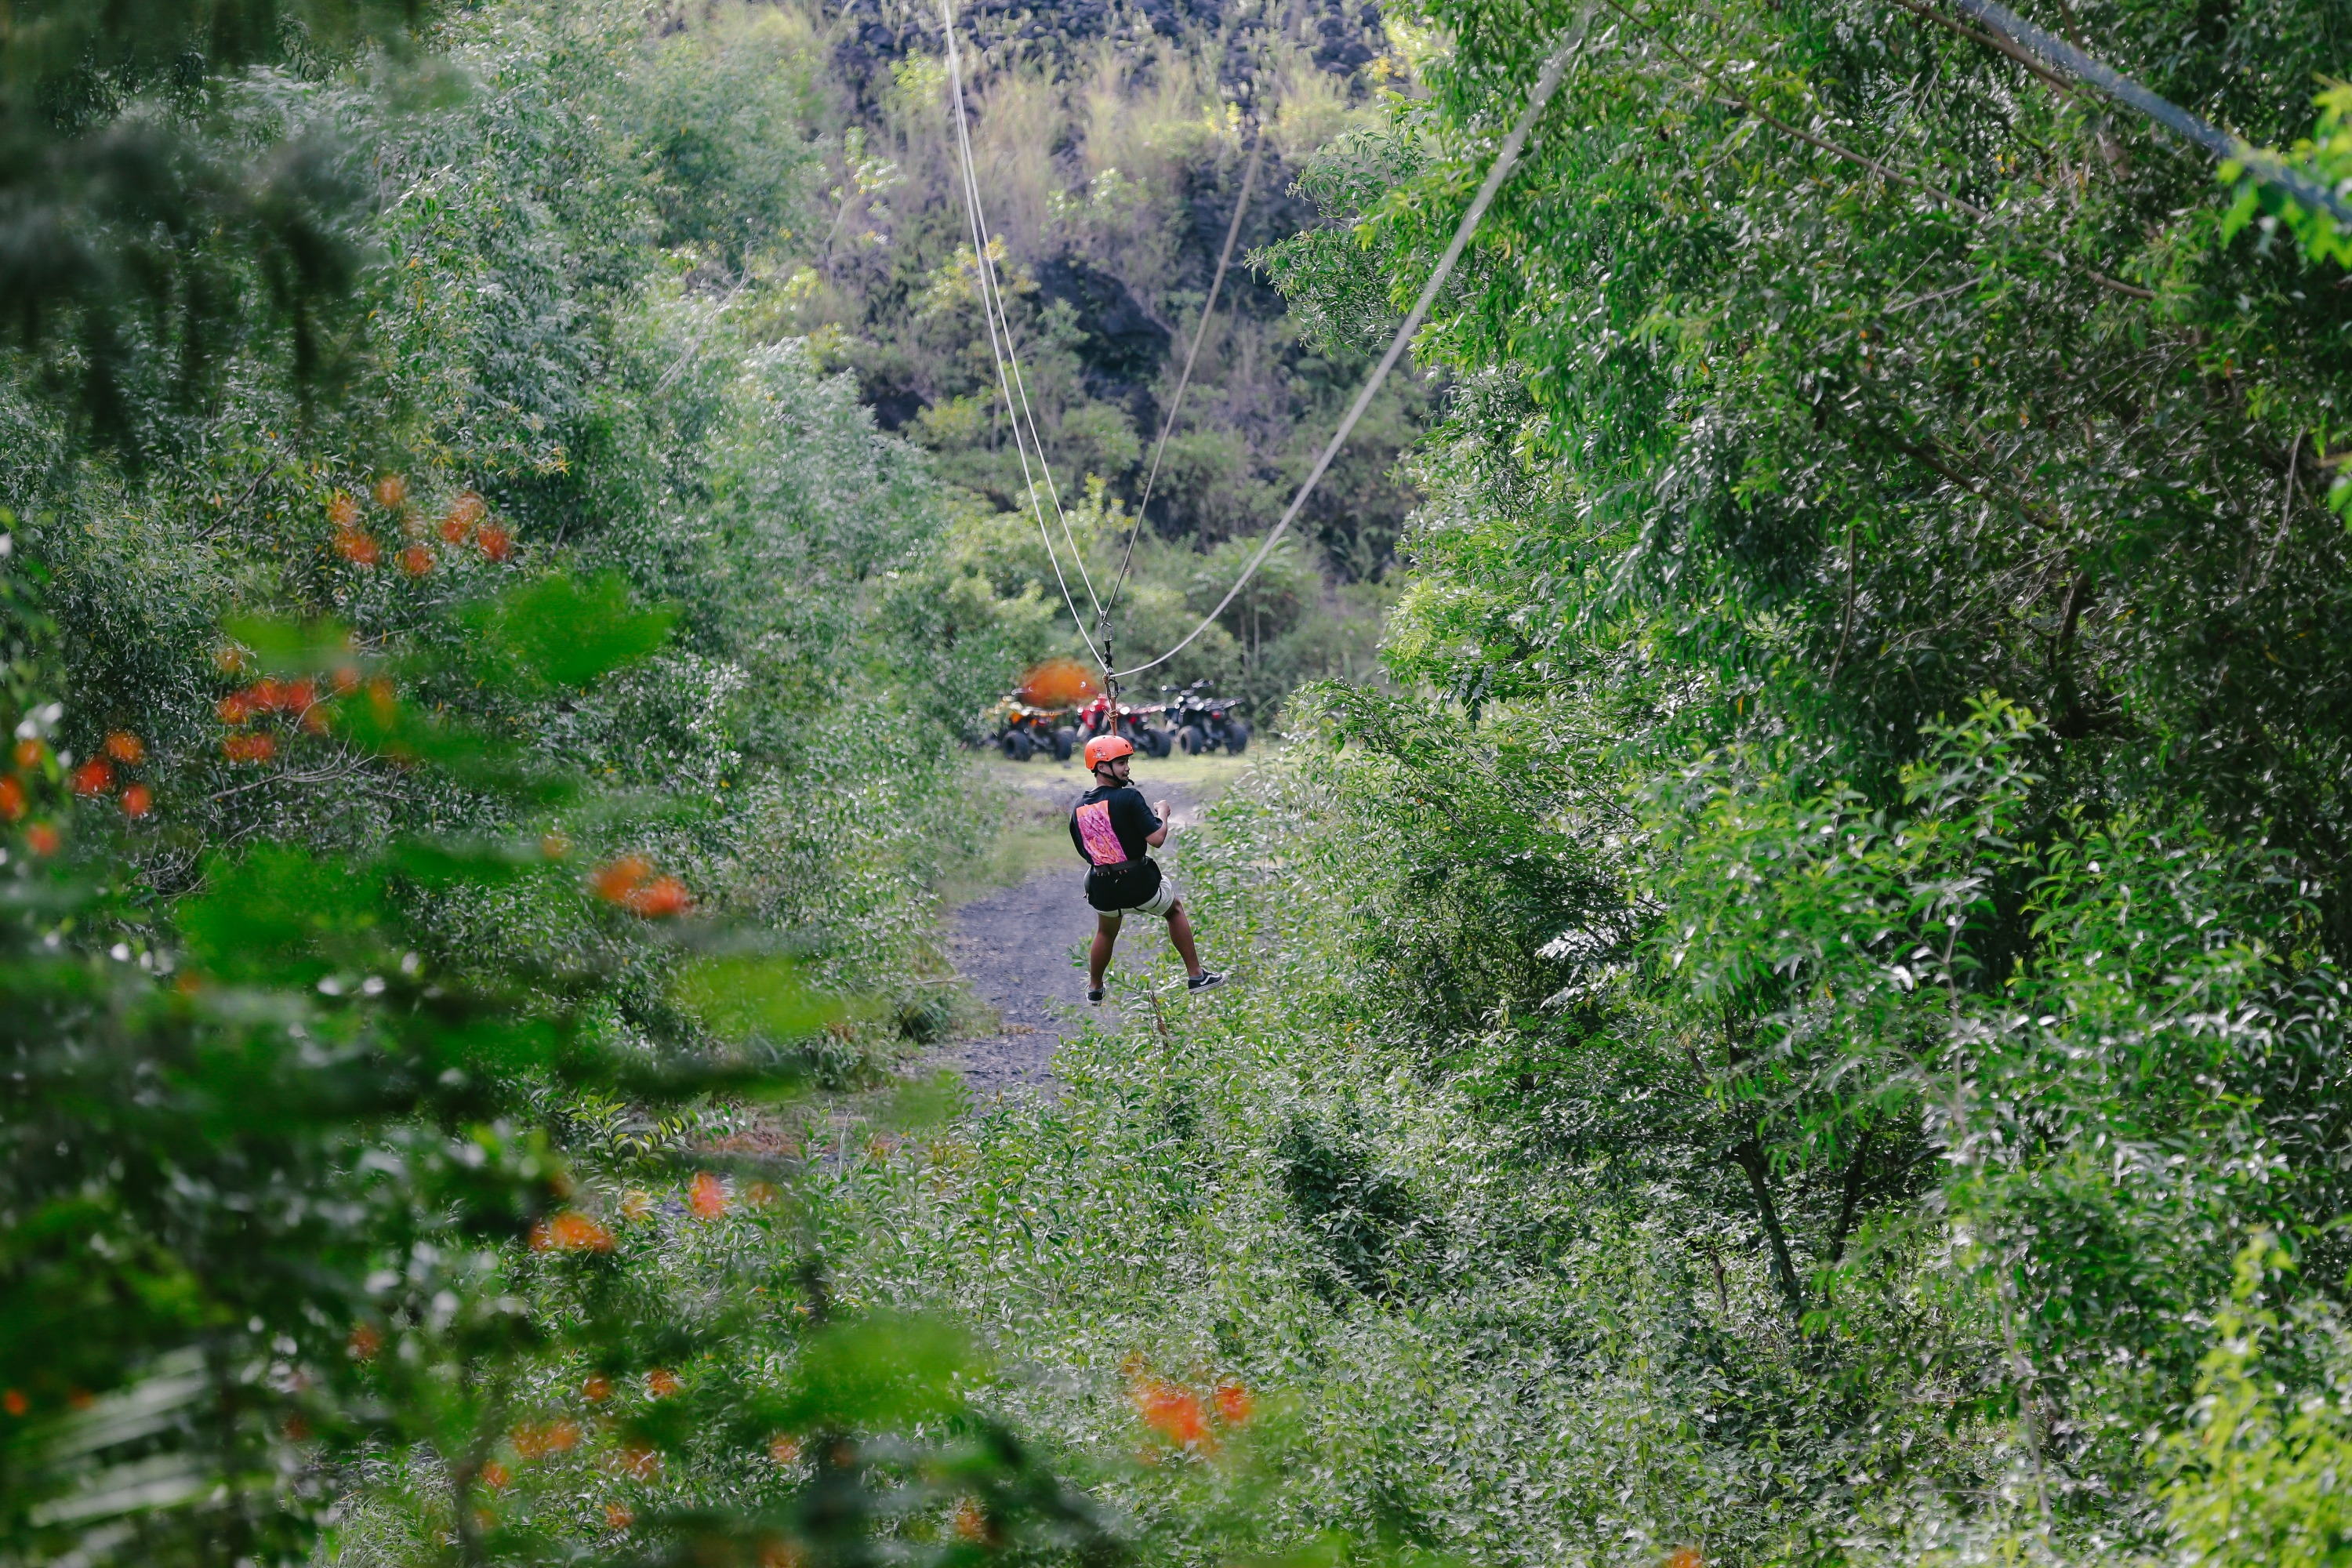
(1111, 826)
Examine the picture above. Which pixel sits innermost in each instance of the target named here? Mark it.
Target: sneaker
(1095, 996)
(1203, 980)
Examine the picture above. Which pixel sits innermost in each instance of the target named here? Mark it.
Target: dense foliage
(1806, 1023)
(1819, 1035)
(449, 798)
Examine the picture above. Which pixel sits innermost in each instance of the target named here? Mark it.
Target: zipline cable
(987, 263)
(1200, 332)
(1546, 85)
(985, 272)
(1176, 402)
(2266, 166)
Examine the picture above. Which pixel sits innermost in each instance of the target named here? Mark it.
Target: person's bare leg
(1099, 955)
(1180, 932)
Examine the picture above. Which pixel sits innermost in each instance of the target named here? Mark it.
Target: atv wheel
(1237, 736)
(1065, 740)
(1019, 745)
(1188, 739)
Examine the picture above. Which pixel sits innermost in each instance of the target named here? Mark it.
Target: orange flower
(31, 753)
(661, 1382)
(618, 1516)
(14, 1403)
(126, 748)
(235, 708)
(1173, 1411)
(970, 1523)
(341, 509)
(616, 879)
(391, 492)
(265, 695)
(782, 1554)
(346, 679)
(12, 800)
(562, 1436)
(659, 899)
(464, 513)
(707, 1197)
(297, 695)
(417, 560)
(138, 801)
(496, 542)
(1683, 1557)
(1234, 1406)
(598, 1388)
(638, 1460)
(495, 1476)
(359, 549)
(42, 839)
(570, 1231)
(365, 1341)
(95, 776)
(785, 1449)
(249, 748)
(761, 1194)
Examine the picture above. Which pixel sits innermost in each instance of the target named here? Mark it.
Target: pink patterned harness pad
(1103, 846)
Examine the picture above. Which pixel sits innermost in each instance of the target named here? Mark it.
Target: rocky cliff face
(1342, 35)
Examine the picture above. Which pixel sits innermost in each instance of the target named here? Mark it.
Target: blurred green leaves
(557, 631)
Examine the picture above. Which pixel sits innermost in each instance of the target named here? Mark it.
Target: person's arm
(1159, 834)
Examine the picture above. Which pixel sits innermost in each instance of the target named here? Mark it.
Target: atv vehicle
(1133, 722)
(1203, 723)
(1022, 732)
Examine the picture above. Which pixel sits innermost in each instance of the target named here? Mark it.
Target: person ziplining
(1114, 829)
(1112, 825)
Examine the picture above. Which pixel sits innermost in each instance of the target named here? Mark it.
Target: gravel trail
(1022, 950)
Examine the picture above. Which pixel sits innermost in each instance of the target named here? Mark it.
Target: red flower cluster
(467, 510)
(570, 1231)
(1179, 1414)
(707, 1197)
(464, 521)
(630, 882)
(95, 776)
(557, 1437)
(296, 700)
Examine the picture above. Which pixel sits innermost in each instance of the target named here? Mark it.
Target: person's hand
(1160, 809)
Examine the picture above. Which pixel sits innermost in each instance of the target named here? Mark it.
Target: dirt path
(1021, 949)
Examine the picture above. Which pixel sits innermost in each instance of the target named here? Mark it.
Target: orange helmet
(1103, 748)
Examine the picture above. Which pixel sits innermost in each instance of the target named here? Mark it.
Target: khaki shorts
(1160, 903)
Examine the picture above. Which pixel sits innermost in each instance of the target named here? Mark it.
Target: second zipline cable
(1546, 85)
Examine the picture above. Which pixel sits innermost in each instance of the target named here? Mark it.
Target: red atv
(1133, 724)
